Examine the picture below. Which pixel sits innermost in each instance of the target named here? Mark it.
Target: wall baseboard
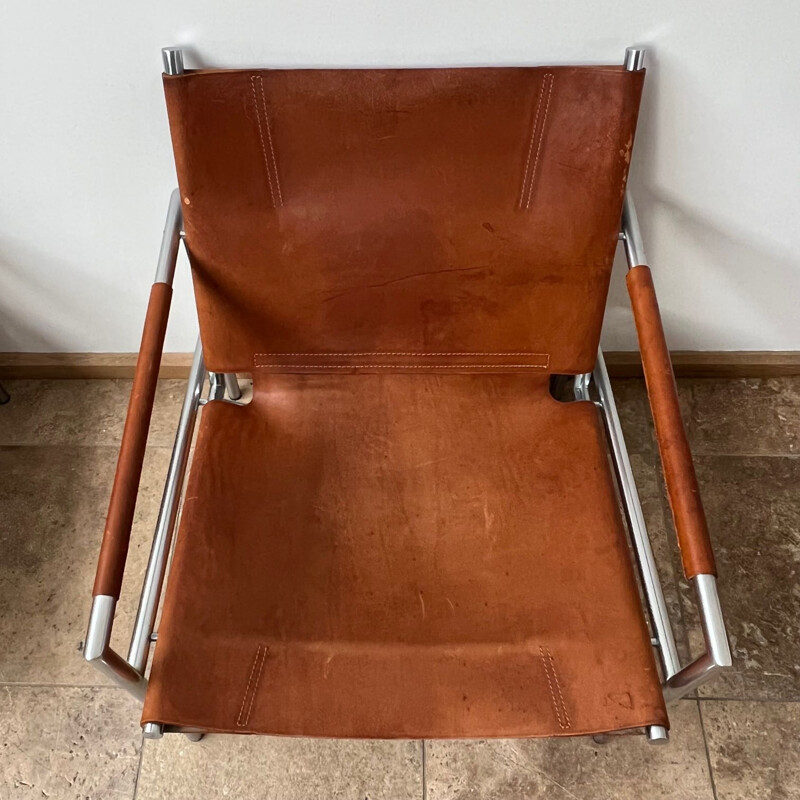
(712, 363)
(87, 365)
(621, 364)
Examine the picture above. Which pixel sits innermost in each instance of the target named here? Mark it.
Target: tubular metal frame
(97, 647)
(717, 654)
(167, 515)
(130, 673)
(678, 681)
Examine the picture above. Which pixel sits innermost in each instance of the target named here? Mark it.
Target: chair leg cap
(657, 734)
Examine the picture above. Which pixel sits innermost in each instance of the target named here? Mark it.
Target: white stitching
(255, 686)
(404, 366)
(541, 138)
(550, 685)
(558, 687)
(562, 708)
(261, 137)
(269, 139)
(421, 355)
(543, 361)
(249, 682)
(533, 136)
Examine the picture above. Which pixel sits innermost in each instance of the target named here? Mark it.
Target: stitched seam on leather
(558, 688)
(255, 687)
(537, 361)
(261, 137)
(261, 657)
(533, 136)
(405, 366)
(550, 685)
(421, 355)
(269, 139)
(541, 136)
(560, 708)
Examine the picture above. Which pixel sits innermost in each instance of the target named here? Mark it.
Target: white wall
(86, 167)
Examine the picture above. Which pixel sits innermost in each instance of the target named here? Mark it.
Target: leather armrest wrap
(676, 458)
(116, 537)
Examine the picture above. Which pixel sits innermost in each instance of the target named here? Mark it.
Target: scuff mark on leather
(413, 276)
(622, 699)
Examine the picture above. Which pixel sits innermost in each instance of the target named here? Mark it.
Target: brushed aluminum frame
(651, 583)
(167, 516)
(172, 58)
(130, 673)
(232, 387)
(634, 58)
(97, 650)
(717, 654)
(678, 681)
(170, 241)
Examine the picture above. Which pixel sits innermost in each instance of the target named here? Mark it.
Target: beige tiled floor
(65, 733)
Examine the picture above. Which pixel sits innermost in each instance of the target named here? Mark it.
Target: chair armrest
(676, 459)
(116, 536)
(684, 497)
(119, 520)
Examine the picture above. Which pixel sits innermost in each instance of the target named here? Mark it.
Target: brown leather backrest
(430, 212)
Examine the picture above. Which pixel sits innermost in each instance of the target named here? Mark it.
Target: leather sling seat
(403, 555)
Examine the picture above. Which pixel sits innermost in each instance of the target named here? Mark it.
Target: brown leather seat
(383, 555)
(404, 534)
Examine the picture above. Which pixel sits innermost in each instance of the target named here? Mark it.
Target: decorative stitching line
(547, 85)
(261, 136)
(404, 366)
(269, 139)
(539, 361)
(552, 692)
(539, 145)
(541, 138)
(533, 136)
(558, 687)
(255, 687)
(261, 657)
(421, 355)
(559, 706)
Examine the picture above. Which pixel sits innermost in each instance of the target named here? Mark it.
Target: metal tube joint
(717, 654)
(97, 650)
